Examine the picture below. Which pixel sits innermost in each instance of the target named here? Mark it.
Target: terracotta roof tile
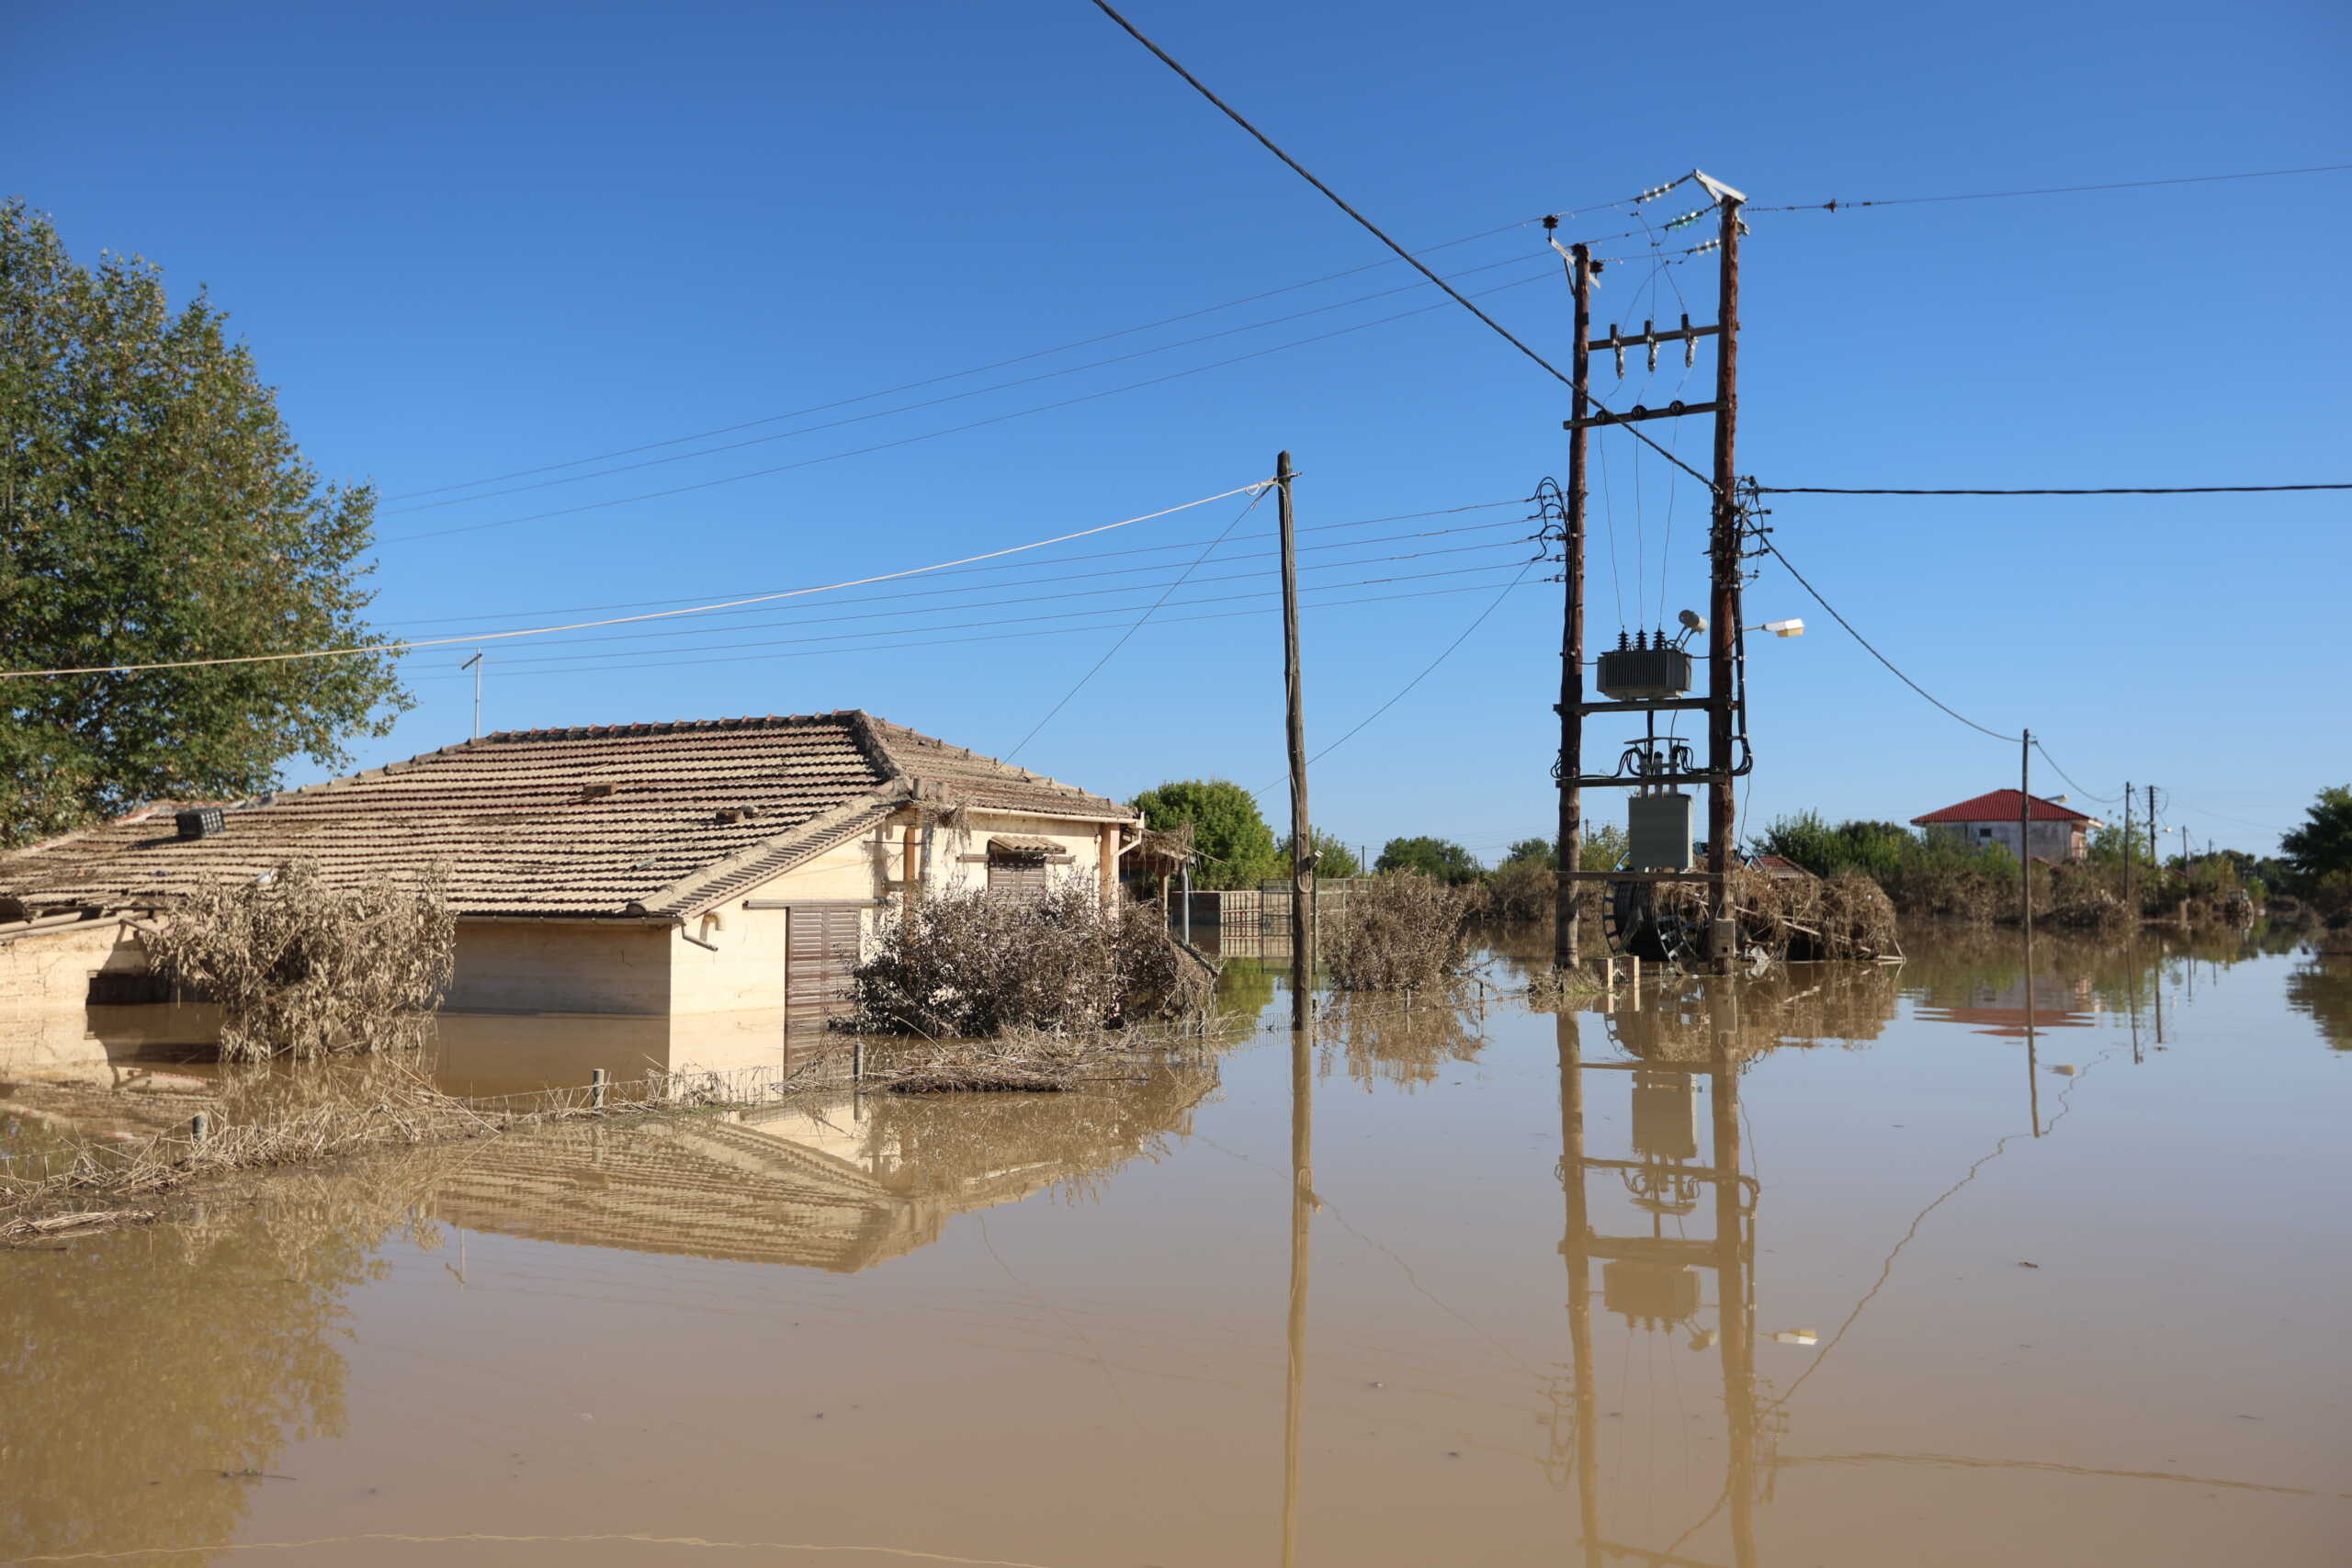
(2001, 805)
(606, 819)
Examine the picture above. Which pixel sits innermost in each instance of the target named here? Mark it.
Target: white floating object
(1797, 1336)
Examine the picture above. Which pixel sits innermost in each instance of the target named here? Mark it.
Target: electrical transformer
(1658, 830)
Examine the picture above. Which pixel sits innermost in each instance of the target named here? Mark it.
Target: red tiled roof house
(661, 873)
(2060, 832)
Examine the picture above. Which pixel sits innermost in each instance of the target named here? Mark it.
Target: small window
(128, 988)
(1016, 873)
(1984, 832)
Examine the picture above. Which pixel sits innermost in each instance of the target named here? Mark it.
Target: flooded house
(668, 894)
(2060, 833)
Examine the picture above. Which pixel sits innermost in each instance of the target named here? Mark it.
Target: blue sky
(468, 241)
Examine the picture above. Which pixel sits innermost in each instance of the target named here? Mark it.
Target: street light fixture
(1791, 627)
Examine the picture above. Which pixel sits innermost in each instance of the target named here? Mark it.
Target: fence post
(200, 1128)
(857, 1066)
(596, 1079)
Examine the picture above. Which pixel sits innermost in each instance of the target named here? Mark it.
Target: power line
(619, 620)
(1005, 364)
(1479, 620)
(1055, 561)
(934, 434)
(702, 629)
(948, 398)
(1778, 553)
(994, 637)
(2116, 490)
(2102, 800)
(1834, 205)
(1079, 685)
(1378, 233)
(645, 653)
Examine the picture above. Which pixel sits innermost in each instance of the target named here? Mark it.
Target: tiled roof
(2001, 805)
(605, 821)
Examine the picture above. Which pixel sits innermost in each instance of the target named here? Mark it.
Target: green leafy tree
(1440, 858)
(1335, 859)
(154, 509)
(1236, 846)
(1604, 849)
(2322, 847)
(1544, 852)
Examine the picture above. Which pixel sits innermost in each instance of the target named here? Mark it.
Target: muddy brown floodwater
(1942, 1265)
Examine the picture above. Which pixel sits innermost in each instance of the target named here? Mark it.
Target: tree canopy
(1440, 858)
(1236, 846)
(153, 508)
(2322, 846)
(1334, 858)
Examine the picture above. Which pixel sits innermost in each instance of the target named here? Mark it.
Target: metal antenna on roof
(475, 664)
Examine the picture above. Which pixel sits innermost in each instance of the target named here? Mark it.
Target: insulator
(1620, 347)
(1650, 330)
(1690, 343)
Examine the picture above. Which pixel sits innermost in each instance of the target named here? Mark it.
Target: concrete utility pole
(2155, 859)
(1302, 848)
(1571, 837)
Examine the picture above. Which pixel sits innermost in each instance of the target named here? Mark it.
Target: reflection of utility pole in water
(2032, 1072)
(1302, 1205)
(1651, 1279)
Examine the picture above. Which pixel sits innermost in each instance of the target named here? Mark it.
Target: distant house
(657, 872)
(2060, 832)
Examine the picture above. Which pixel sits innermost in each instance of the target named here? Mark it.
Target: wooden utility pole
(2024, 829)
(1722, 606)
(1302, 848)
(1571, 837)
(2156, 861)
(2131, 910)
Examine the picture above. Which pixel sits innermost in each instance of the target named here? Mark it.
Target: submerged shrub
(975, 963)
(302, 967)
(1399, 931)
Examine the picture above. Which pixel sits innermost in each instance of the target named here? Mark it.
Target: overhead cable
(1050, 561)
(1005, 364)
(701, 628)
(1096, 668)
(1378, 233)
(2113, 489)
(619, 620)
(1834, 205)
(2102, 800)
(947, 397)
(1782, 556)
(934, 434)
(646, 653)
(994, 637)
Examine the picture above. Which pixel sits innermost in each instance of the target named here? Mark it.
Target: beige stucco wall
(1082, 839)
(46, 1020)
(533, 966)
(2052, 841)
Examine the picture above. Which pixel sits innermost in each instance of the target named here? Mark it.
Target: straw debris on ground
(974, 964)
(303, 968)
(1400, 932)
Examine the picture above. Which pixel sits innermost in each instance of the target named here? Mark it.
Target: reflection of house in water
(2005, 1008)
(841, 1182)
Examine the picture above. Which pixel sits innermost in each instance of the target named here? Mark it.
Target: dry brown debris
(302, 967)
